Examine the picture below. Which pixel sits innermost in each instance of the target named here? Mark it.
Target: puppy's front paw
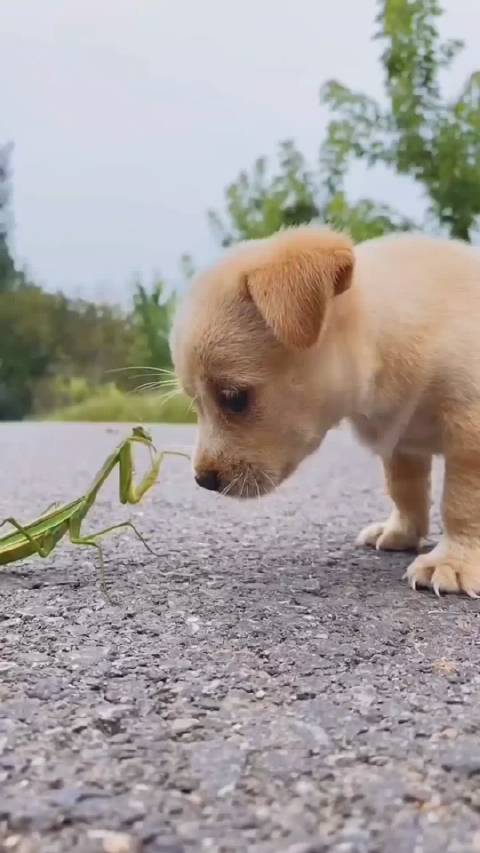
(447, 568)
(395, 534)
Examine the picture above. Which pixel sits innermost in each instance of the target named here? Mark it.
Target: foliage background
(60, 357)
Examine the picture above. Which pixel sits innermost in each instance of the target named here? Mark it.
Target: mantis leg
(47, 548)
(85, 540)
(91, 540)
(42, 549)
(101, 562)
(49, 508)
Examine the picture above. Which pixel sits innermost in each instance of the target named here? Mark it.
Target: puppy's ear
(291, 288)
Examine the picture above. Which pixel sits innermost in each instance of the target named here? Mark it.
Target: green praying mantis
(42, 535)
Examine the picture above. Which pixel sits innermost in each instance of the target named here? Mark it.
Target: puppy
(285, 337)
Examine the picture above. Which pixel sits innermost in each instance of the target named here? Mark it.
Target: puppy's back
(423, 294)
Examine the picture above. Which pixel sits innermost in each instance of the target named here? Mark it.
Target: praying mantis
(42, 535)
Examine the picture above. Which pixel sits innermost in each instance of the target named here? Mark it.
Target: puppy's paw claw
(411, 580)
(370, 535)
(472, 594)
(387, 536)
(448, 575)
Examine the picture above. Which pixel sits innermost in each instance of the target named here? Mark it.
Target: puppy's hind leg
(407, 479)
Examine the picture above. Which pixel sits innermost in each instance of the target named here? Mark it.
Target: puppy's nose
(209, 480)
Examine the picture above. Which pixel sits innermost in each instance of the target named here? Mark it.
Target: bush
(109, 405)
(60, 392)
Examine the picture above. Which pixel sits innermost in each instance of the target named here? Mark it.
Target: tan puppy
(287, 336)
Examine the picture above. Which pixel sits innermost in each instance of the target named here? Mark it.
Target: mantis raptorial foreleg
(129, 493)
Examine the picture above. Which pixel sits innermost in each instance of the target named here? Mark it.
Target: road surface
(260, 686)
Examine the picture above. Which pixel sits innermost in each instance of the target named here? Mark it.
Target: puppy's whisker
(169, 396)
(162, 398)
(147, 367)
(231, 485)
(244, 484)
(167, 386)
(269, 478)
(154, 376)
(147, 386)
(161, 383)
(239, 488)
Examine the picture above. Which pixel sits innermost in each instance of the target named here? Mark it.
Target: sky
(130, 117)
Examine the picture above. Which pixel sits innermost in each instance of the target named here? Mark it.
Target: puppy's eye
(234, 401)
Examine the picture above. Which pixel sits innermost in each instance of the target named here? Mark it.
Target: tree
(7, 268)
(27, 334)
(259, 204)
(151, 317)
(47, 340)
(420, 133)
(53, 348)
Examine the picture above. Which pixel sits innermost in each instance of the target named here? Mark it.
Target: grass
(111, 405)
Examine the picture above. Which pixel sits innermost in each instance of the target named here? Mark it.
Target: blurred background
(139, 137)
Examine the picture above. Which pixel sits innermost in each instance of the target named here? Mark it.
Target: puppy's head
(249, 347)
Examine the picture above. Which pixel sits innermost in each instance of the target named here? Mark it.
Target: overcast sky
(130, 117)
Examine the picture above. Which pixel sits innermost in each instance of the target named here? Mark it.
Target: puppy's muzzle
(209, 480)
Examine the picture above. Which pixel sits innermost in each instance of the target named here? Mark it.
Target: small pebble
(184, 724)
(116, 842)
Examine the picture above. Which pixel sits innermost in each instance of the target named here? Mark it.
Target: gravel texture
(261, 686)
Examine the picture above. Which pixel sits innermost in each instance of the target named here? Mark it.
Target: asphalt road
(261, 686)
